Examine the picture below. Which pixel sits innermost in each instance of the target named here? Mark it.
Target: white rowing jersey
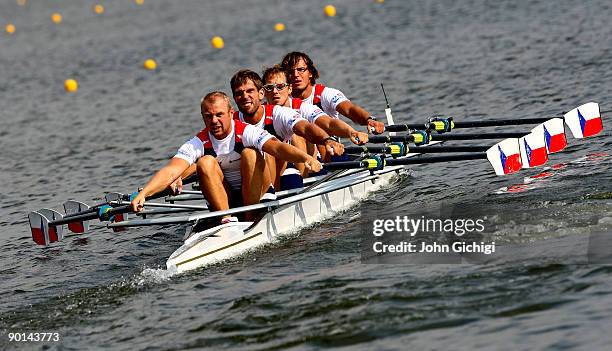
(227, 150)
(308, 111)
(326, 98)
(277, 120)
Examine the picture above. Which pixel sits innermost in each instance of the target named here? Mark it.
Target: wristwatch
(329, 138)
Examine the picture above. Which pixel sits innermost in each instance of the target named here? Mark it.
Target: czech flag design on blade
(584, 121)
(505, 156)
(554, 134)
(591, 126)
(556, 142)
(533, 149)
(510, 163)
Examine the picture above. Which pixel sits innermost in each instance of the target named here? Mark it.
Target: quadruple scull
(323, 195)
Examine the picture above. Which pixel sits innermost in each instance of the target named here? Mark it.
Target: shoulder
(296, 103)
(250, 129)
(202, 138)
(333, 95)
(310, 110)
(327, 91)
(283, 111)
(240, 127)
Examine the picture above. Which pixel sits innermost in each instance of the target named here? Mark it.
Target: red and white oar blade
(584, 121)
(505, 156)
(533, 149)
(72, 207)
(39, 225)
(554, 134)
(56, 233)
(119, 217)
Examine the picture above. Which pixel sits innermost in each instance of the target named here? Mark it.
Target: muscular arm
(285, 152)
(316, 135)
(360, 116)
(354, 112)
(310, 132)
(340, 128)
(160, 180)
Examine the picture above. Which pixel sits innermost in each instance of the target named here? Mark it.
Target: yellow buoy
(139, 2)
(217, 42)
(380, 1)
(21, 2)
(71, 85)
(150, 64)
(10, 28)
(329, 10)
(99, 9)
(279, 27)
(56, 18)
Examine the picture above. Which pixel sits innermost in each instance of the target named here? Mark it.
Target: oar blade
(554, 134)
(533, 149)
(39, 225)
(119, 217)
(43, 233)
(584, 121)
(56, 233)
(73, 207)
(505, 156)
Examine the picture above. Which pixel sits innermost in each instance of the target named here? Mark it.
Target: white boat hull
(295, 212)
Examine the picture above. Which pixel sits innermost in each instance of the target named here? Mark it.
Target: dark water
(464, 58)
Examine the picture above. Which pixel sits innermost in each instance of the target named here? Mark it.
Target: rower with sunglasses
(303, 75)
(278, 92)
(280, 121)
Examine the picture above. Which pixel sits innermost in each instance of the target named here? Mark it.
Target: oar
(395, 149)
(422, 137)
(438, 125)
(583, 121)
(267, 205)
(377, 162)
(506, 157)
(46, 225)
(119, 196)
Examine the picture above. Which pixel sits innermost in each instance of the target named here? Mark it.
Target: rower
(303, 75)
(282, 122)
(278, 92)
(228, 157)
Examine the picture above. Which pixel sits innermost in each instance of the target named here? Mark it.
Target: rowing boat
(283, 216)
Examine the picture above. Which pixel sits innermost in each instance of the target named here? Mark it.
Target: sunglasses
(299, 69)
(279, 87)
